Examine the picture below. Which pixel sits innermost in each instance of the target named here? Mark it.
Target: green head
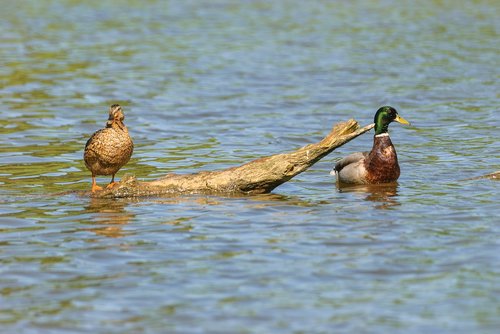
(384, 117)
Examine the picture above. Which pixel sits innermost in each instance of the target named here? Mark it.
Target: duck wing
(350, 159)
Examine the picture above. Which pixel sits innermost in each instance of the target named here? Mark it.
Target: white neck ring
(382, 135)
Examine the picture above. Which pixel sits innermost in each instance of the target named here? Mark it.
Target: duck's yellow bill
(401, 120)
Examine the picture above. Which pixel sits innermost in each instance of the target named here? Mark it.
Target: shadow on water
(200, 198)
(385, 195)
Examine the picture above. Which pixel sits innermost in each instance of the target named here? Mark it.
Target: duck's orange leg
(95, 187)
(112, 183)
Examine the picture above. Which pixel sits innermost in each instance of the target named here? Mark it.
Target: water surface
(212, 84)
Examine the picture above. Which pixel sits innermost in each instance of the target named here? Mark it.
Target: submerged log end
(491, 176)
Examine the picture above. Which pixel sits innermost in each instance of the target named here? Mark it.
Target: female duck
(108, 149)
(380, 165)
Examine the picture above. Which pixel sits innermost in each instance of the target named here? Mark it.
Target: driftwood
(491, 176)
(255, 177)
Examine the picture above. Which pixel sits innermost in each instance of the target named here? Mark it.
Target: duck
(380, 165)
(108, 149)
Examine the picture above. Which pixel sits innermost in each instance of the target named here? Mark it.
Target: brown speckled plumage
(109, 149)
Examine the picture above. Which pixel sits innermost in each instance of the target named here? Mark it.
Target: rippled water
(212, 84)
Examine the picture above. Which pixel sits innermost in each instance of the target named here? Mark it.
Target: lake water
(207, 85)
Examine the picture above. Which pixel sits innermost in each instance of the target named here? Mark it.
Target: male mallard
(380, 165)
(108, 149)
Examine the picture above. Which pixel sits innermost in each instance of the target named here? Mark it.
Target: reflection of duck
(109, 216)
(380, 165)
(385, 194)
(109, 149)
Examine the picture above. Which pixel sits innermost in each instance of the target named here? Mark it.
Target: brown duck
(380, 165)
(108, 149)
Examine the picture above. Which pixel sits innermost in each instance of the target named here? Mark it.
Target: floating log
(255, 177)
(491, 176)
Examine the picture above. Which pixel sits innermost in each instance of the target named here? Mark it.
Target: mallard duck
(108, 149)
(380, 165)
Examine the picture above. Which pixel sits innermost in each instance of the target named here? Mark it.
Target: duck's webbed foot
(95, 187)
(111, 185)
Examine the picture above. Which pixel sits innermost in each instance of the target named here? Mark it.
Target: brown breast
(382, 162)
(107, 151)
